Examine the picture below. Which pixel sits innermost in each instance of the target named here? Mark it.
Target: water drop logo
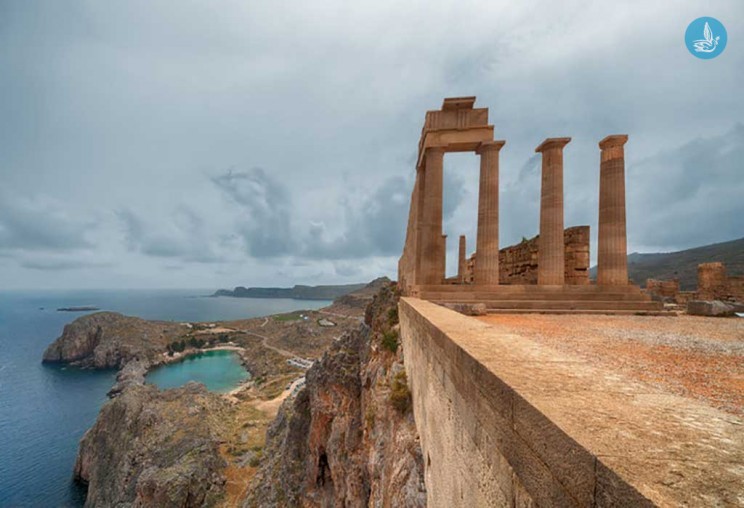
(706, 38)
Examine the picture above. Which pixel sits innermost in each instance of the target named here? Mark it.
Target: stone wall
(506, 421)
(714, 284)
(518, 263)
(663, 288)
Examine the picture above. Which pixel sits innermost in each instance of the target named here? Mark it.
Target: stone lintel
(452, 103)
(551, 143)
(613, 140)
(490, 145)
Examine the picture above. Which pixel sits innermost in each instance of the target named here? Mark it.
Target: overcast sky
(213, 144)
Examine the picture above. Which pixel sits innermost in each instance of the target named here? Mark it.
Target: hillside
(297, 292)
(683, 264)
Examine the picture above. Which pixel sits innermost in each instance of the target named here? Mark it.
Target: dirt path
(265, 343)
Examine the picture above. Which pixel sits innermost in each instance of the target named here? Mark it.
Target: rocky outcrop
(348, 438)
(132, 374)
(110, 340)
(361, 298)
(151, 448)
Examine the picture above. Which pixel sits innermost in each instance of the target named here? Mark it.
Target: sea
(45, 410)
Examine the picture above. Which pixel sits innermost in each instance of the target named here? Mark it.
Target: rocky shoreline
(191, 447)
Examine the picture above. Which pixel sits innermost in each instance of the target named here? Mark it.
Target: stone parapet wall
(518, 263)
(507, 421)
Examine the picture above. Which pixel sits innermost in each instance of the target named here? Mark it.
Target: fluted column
(487, 240)
(461, 262)
(430, 246)
(612, 261)
(442, 254)
(551, 267)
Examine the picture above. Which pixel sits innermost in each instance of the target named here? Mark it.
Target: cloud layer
(148, 145)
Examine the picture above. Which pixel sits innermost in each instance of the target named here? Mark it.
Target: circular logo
(706, 38)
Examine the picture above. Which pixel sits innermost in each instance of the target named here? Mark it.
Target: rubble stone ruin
(547, 273)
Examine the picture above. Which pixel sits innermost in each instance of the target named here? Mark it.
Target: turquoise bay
(219, 370)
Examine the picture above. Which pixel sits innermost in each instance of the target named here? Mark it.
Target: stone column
(487, 240)
(612, 260)
(551, 264)
(443, 257)
(461, 262)
(430, 246)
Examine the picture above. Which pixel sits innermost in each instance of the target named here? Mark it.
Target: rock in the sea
(345, 439)
(713, 308)
(151, 448)
(109, 340)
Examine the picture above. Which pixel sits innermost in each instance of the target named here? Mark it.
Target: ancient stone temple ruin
(548, 273)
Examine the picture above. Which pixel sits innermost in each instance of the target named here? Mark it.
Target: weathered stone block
(469, 309)
(713, 308)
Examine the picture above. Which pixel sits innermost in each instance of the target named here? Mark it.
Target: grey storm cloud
(120, 117)
(265, 224)
(36, 225)
(690, 195)
(183, 236)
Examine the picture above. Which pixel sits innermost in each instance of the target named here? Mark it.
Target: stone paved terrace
(696, 357)
(576, 410)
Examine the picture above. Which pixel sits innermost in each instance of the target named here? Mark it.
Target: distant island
(84, 308)
(297, 292)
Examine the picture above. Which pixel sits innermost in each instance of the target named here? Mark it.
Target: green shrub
(400, 395)
(393, 316)
(390, 340)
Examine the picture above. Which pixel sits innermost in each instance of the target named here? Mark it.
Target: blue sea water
(220, 371)
(44, 410)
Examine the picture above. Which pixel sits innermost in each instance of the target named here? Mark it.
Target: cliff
(348, 438)
(360, 298)
(151, 448)
(298, 292)
(110, 340)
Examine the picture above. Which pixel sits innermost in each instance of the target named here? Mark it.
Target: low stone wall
(714, 284)
(518, 263)
(663, 288)
(506, 421)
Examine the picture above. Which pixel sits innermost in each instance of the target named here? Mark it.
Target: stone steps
(585, 311)
(568, 305)
(489, 295)
(530, 289)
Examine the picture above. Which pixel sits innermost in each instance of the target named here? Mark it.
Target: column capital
(487, 146)
(552, 143)
(613, 140)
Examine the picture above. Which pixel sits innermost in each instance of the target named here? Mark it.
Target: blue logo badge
(706, 38)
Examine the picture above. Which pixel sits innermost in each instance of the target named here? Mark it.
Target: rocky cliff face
(348, 438)
(109, 340)
(151, 448)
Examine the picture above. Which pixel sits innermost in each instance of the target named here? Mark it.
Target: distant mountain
(297, 292)
(683, 264)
